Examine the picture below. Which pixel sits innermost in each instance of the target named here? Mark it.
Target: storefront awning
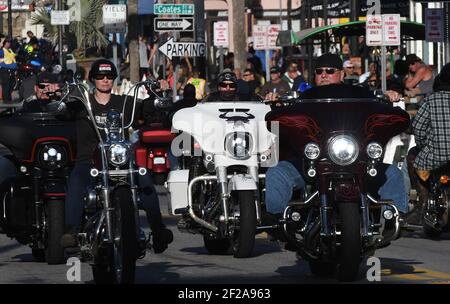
(410, 30)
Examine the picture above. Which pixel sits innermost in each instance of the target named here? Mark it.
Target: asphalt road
(411, 259)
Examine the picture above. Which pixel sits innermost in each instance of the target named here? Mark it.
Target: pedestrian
(419, 81)
(143, 57)
(275, 87)
(350, 76)
(8, 68)
(293, 76)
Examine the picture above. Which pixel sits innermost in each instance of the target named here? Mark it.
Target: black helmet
(102, 67)
(227, 75)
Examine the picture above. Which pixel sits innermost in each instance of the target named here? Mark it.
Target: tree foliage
(88, 31)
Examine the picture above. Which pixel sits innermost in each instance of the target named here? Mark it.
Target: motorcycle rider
(102, 74)
(227, 88)
(47, 86)
(285, 176)
(431, 131)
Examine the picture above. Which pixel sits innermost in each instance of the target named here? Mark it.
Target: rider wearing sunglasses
(329, 75)
(102, 74)
(285, 176)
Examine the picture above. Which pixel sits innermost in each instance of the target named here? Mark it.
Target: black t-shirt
(87, 141)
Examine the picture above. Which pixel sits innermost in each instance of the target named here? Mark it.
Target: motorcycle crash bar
(191, 209)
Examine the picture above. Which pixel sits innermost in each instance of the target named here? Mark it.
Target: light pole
(10, 19)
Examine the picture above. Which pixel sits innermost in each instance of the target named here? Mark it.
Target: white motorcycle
(219, 195)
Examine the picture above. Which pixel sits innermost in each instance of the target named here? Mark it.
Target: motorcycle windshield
(20, 131)
(315, 120)
(210, 123)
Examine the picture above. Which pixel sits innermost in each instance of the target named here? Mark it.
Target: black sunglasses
(42, 86)
(329, 71)
(101, 76)
(229, 85)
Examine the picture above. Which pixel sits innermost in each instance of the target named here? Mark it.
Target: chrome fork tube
(253, 171)
(224, 195)
(365, 215)
(325, 229)
(37, 203)
(134, 194)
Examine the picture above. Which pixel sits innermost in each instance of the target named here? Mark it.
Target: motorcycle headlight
(312, 151)
(118, 154)
(374, 150)
(239, 144)
(52, 157)
(343, 150)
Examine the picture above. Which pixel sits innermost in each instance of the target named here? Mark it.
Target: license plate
(159, 160)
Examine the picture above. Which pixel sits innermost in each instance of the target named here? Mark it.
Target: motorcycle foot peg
(180, 211)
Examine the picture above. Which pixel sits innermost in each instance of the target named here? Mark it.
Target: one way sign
(180, 24)
(180, 49)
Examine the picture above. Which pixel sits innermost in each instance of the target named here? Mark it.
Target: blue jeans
(81, 181)
(284, 177)
(7, 169)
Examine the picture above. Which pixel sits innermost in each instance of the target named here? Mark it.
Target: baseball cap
(227, 75)
(330, 61)
(348, 64)
(46, 77)
(275, 69)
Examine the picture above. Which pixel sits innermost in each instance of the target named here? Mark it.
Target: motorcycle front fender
(242, 182)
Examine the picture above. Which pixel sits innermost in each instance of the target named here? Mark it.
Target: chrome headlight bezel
(239, 145)
(312, 151)
(118, 154)
(343, 150)
(374, 150)
(52, 156)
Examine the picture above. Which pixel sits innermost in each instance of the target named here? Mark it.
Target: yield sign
(179, 24)
(180, 49)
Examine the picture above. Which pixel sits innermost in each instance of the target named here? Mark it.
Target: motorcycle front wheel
(54, 253)
(350, 249)
(243, 240)
(121, 265)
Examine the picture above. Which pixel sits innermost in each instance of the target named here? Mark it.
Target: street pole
(239, 38)
(447, 32)
(220, 59)
(383, 68)
(60, 38)
(281, 14)
(10, 19)
(200, 30)
(354, 14)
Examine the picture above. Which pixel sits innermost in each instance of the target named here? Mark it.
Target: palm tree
(88, 31)
(133, 28)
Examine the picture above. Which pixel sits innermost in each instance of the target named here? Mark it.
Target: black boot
(162, 237)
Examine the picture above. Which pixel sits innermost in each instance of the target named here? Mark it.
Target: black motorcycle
(436, 207)
(111, 237)
(41, 146)
(339, 219)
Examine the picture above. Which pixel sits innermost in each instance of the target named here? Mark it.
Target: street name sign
(180, 49)
(174, 9)
(176, 24)
(114, 13)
